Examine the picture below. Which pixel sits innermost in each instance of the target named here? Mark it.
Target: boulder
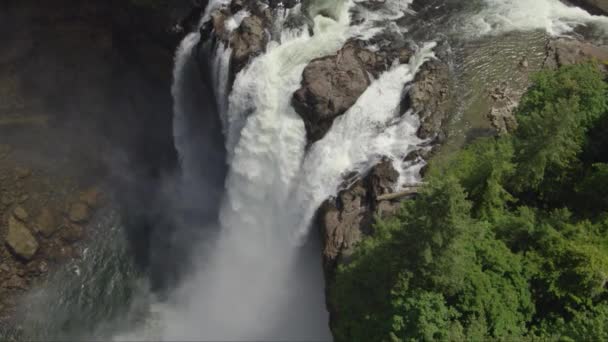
(79, 212)
(330, 86)
(21, 213)
(46, 222)
(247, 41)
(20, 240)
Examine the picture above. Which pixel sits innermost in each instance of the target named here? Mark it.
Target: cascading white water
(245, 287)
(499, 16)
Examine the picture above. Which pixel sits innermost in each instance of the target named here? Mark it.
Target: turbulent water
(243, 289)
(260, 278)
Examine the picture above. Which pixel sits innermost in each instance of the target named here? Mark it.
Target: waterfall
(245, 285)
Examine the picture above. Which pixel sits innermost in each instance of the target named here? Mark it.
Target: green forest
(508, 240)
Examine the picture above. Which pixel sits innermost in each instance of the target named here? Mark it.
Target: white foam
(368, 131)
(500, 16)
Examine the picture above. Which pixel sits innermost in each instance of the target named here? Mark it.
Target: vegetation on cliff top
(509, 240)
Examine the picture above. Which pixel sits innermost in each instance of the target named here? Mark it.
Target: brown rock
(247, 41)
(382, 178)
(21, 213)
(20, 240)
(330, 86)
(79, 212)
(46, 222)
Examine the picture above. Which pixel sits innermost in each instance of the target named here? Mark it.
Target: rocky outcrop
(347, 218)
(332, 84)
(429, 97)
(247, 41)
(564, 51)
(558, 52)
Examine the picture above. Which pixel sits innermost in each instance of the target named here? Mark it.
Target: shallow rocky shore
(44, 222)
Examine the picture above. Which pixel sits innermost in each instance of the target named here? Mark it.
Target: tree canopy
(509, 239)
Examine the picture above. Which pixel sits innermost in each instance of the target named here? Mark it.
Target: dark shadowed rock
(20, 240)
(333, 84)
(344, 220)
(330, 86)
(429, 97)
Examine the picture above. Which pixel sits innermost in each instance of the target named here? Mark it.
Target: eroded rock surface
(347, 218)
(429, 97)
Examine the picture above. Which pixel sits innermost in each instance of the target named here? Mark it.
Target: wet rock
(330, 86)
(346, 219)
(46, 222)
(20, 240)
(5, 268)
(429, 97)
(20, 213)
(79, 212)
(248, 40)
(382, 178)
